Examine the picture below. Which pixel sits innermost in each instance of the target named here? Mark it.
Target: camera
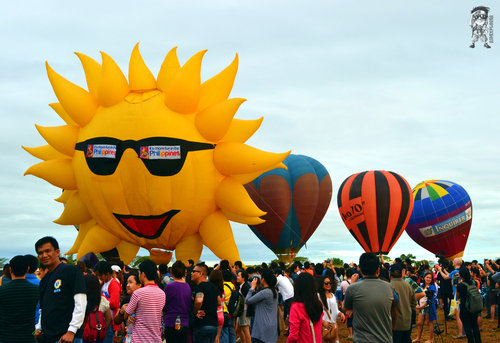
(429, 293)
(442, 260)
(250, 279)
(430, 296)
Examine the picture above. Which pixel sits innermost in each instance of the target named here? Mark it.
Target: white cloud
(355, 86)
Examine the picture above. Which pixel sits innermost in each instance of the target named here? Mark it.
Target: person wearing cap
(117, 273)
(111, 288)
(407, 302)
(419, 292)
(116, 269)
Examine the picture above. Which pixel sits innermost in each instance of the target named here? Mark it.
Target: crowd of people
(44, 299)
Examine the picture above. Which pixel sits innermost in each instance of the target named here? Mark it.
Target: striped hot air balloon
(295, 199)
(375, 206)
(441, 218)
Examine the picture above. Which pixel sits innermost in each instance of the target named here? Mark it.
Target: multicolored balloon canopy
(441, 217)
(375, 206)
(295, 200)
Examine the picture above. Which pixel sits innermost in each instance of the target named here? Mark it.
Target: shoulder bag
(329, 332)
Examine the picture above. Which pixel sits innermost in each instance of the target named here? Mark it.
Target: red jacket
(300, 329)
(114, 290)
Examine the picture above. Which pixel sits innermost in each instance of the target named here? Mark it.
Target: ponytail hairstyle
(268, 275)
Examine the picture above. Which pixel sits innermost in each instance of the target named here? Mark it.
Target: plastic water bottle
(130, 328)
(177, 323)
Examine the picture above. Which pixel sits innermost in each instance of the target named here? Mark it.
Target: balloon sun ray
(90, 157)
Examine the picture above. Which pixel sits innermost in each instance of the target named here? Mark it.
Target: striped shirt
(147, 304)
(18, 300)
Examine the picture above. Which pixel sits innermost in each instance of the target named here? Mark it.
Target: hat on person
(397, 270)
(116, 268)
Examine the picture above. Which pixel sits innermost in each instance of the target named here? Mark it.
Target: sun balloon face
(158, 163)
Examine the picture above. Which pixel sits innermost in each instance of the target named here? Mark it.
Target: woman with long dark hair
(265, 326)
(96, 301)
(306, 312)
(215, 277)
(469, 320)
(427, 306)
(330, 306)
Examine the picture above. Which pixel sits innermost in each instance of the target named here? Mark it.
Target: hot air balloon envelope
(158, 163)
(441, 217)
(375, 206)
(295, 200)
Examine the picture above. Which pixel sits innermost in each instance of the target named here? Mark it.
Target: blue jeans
(227, 333)
(109, 335)
(204, 334)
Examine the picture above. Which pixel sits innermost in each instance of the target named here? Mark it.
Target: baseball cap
(116, 268)
(397, 270)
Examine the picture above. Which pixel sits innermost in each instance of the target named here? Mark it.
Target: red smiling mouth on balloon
(146, 226)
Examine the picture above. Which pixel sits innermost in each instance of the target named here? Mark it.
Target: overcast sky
(356, 86)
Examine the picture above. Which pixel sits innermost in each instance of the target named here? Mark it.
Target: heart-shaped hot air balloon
(441, 217)
(375, 206)
(296, 200)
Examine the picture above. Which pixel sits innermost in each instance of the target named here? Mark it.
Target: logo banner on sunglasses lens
(101, 151)
(160, 152)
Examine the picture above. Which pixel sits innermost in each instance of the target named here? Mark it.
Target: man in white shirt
(285, 287)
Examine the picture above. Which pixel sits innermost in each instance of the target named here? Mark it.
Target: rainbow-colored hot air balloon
(295, 200)
(375, 206)
(441, 217)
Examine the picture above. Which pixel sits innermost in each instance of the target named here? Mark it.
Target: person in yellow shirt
(227, 334)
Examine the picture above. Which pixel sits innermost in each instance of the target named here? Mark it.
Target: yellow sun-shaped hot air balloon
(154, 163)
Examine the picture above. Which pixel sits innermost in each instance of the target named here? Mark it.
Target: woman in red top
(306, 312)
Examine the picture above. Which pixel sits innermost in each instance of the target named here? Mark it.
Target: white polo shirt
(285, 287)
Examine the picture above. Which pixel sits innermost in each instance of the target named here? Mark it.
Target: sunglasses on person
(327, 283)
(162, 156)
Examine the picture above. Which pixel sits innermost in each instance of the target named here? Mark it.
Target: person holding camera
(454, 277)
(427, 307)
(445, 291)
(265, 327)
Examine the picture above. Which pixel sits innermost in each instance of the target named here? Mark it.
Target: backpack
(473, 299)
(236, 304)
(94, 327)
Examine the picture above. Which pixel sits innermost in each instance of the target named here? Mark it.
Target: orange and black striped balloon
(376, 207)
